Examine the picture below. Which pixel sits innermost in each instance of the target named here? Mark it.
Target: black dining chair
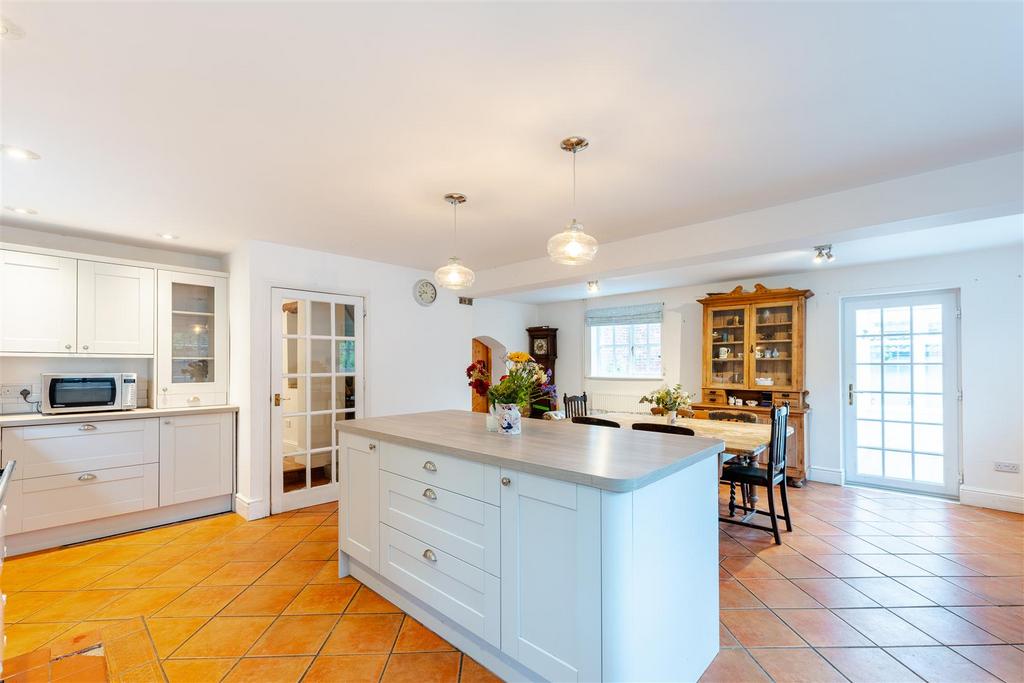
(574, 406)
(771, 476)
(595, 421)
(663, 428)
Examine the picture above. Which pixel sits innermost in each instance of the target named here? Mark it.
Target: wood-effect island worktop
(582, 554)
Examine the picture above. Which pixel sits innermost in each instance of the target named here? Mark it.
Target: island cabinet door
(360, 499)
(551, 576)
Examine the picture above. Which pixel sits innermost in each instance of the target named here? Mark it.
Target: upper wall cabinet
(115, 309)
(192, 340)
(37, 303)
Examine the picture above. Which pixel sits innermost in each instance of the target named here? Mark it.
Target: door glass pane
(320, 318)
(293, 356)
(320, 393)
(927, 318)
(928, 378)
(897, 435)
(868, 321)
(927, 348)
(346, 392)
(321, 464)
(346, 356)
(728, 346)
(294, 470)
(928, 468)
(869, 462)
(897, 377)
(869, 406)
(869, 349)
(293, 317)
(344, 320)
(897, 407)
(191, 335)
(869, 377)
(319, 355)
(293, 436)
(896, 319)
(188, 371)
(928, 408)
(192, 298)
(896, 349)
(898, 465)
(928, 438)
(293, 394)
(320, 430)
(869, 433)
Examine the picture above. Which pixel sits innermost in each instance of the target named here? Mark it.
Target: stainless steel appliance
(88, 392)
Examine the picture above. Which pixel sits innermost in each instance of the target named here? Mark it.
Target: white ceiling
(339, 126)
(984, 234)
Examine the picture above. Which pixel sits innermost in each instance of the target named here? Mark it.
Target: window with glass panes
(625, 350)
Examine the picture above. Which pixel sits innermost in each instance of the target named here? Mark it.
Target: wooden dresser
(753, 351)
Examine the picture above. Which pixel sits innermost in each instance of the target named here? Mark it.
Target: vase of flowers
(523, 383)
(670, 400)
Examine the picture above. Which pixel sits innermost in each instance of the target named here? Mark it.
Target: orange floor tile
(870, 585)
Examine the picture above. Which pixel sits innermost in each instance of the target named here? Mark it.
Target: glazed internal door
(901, 375)
(317, 379)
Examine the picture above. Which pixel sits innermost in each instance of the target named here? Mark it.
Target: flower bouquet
(668, 400)
(524, 383)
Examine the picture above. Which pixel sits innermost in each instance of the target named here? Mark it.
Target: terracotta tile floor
(870, 586)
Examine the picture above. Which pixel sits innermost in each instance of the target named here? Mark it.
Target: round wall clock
(424, 292)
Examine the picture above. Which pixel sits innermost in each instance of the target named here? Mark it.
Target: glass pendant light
(572, 246)
(454, 275)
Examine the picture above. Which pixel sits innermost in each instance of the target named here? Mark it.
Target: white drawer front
(468, 596)
(472, 479)
(49, 450)
(68, 498)
(465, 527)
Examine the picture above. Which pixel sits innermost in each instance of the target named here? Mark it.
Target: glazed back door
(901, 399)
(317, 379)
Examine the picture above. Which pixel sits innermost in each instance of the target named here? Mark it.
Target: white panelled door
(316, 379)
(901, 375)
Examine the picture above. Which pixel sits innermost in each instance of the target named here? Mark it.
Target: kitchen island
(587, 554)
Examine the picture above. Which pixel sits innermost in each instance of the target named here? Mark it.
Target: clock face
(424, 292)
(540, 347)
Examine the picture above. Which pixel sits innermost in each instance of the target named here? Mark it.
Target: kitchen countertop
(611, 459)
(31, 419)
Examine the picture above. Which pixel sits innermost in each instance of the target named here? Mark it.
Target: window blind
(625, 315)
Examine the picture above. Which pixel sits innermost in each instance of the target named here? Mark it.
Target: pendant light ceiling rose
(575, 143)
(454, 198)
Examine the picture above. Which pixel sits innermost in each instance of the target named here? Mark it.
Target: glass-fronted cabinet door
(726, 346)
(775, 347)
(192, 362)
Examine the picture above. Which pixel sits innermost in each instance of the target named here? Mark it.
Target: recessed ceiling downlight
(166, 236)
(23, 210)
(20, 153)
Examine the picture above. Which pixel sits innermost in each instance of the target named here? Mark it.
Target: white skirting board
(826, 475)
(254, 508)
(483, 652)
(987, 498)
(43, 539)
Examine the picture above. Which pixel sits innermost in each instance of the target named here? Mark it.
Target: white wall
(992, 352)
(415, 356)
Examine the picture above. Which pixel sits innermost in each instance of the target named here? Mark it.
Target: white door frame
(952, 389)
(280, 501)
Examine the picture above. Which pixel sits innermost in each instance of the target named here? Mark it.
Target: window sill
(659, 378)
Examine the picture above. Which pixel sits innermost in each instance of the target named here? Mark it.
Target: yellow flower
(519, 357)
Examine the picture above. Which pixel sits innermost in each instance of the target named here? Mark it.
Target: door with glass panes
(317, 379)
(901, 391)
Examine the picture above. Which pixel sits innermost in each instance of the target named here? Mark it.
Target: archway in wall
(492, 352)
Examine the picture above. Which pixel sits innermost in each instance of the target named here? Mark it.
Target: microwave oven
(88, 392)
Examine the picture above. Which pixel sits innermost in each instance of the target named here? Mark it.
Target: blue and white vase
(508, 417)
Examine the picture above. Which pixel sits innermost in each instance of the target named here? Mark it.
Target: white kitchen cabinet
(37, 303)
(551, 576)
(192, 340)
(359, 511)
(116, 309)
(196, 457)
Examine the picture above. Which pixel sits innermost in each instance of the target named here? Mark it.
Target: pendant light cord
(573, 185)
(455, 228)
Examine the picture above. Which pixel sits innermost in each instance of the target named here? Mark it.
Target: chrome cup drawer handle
(430, 494)
(88, 476)
(429, 466)
(429, 555)
(87, 428)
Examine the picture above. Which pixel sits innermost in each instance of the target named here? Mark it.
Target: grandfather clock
(544, 349)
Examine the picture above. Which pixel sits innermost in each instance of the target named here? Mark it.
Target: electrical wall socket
(1007, 467)
(12, 392)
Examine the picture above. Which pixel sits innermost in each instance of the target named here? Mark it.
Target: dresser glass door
(728, 346)
(773, 345)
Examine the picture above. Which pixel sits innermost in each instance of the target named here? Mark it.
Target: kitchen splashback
(18, 371)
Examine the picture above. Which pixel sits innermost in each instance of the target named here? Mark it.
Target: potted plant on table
(669, 400)
(515, 393)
